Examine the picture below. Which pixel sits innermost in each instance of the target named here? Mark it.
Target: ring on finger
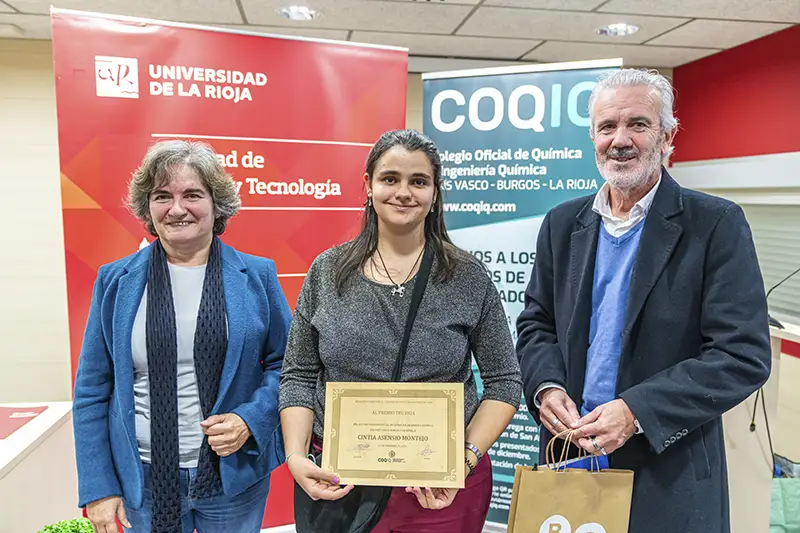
(556, 422)
(597, 447)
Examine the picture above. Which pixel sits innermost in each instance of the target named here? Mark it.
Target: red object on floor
(280, 501)
(13, 418)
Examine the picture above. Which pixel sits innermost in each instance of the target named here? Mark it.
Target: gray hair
(158, 166)
(631, 77)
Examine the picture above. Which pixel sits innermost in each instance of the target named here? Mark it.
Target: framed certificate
(395, 434)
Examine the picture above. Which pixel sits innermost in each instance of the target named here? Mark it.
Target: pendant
(399, 291)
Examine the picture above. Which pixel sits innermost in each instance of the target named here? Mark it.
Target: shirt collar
(602, 206)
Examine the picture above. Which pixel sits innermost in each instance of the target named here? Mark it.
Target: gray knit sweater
(356, 337)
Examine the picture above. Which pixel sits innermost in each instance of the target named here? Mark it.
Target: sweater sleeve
(493, 350)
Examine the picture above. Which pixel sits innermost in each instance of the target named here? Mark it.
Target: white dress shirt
(615, 226)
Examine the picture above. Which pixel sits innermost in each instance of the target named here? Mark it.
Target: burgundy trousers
(466, 514)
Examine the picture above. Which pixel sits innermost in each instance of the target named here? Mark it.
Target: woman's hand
(316, 482)
(436, 499)
(103, 514)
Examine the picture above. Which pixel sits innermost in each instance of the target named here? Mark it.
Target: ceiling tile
(313, 33)
(561, 25)
(5, 8)
(764, 10)
(34, 26)
(464, 2)
(449, 45)
(442, 64)
(717, 33)
(409, 17)
(214, 11)
(633, 55)
(568, 5)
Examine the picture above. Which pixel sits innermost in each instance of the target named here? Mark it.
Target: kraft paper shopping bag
(557, 499)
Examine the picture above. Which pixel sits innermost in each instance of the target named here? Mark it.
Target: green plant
(75, 525)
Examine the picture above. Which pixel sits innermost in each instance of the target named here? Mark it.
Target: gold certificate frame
(395, 434)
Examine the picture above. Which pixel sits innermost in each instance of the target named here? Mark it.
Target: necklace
(399, 288)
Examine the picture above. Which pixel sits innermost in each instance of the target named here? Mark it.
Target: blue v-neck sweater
(612, 279)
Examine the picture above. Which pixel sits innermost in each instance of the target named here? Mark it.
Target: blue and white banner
(514, 143)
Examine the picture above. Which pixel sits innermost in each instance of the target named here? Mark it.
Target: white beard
(628, 179)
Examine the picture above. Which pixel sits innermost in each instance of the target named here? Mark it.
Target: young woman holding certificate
(348, 325)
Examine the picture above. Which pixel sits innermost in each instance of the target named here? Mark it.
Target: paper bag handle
(549, 454)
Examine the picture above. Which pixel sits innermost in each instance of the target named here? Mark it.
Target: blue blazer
(258, 316)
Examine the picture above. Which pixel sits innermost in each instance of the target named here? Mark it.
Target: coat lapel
(583, 251)
(129, 296)
(658, 241)
(234, 281)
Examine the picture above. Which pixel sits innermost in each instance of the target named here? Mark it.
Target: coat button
(666, 443)
(685, 432)
(672, 439)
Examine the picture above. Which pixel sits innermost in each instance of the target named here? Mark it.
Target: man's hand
(103, 514)
(557, 412)
(226, 433)
(611, 425)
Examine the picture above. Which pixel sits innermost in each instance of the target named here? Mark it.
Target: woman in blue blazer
(175, 402)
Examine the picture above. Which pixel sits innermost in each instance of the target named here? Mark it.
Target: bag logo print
(559, 524)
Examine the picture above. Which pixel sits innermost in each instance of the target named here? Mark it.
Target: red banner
(293, 120)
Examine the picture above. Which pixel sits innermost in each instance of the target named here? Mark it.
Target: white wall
(33, 302)
(786, 429)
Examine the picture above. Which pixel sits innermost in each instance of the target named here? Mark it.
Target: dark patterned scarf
(210, 345)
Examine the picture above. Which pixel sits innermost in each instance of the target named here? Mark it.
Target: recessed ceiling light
(303, 13)
(619, 29)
